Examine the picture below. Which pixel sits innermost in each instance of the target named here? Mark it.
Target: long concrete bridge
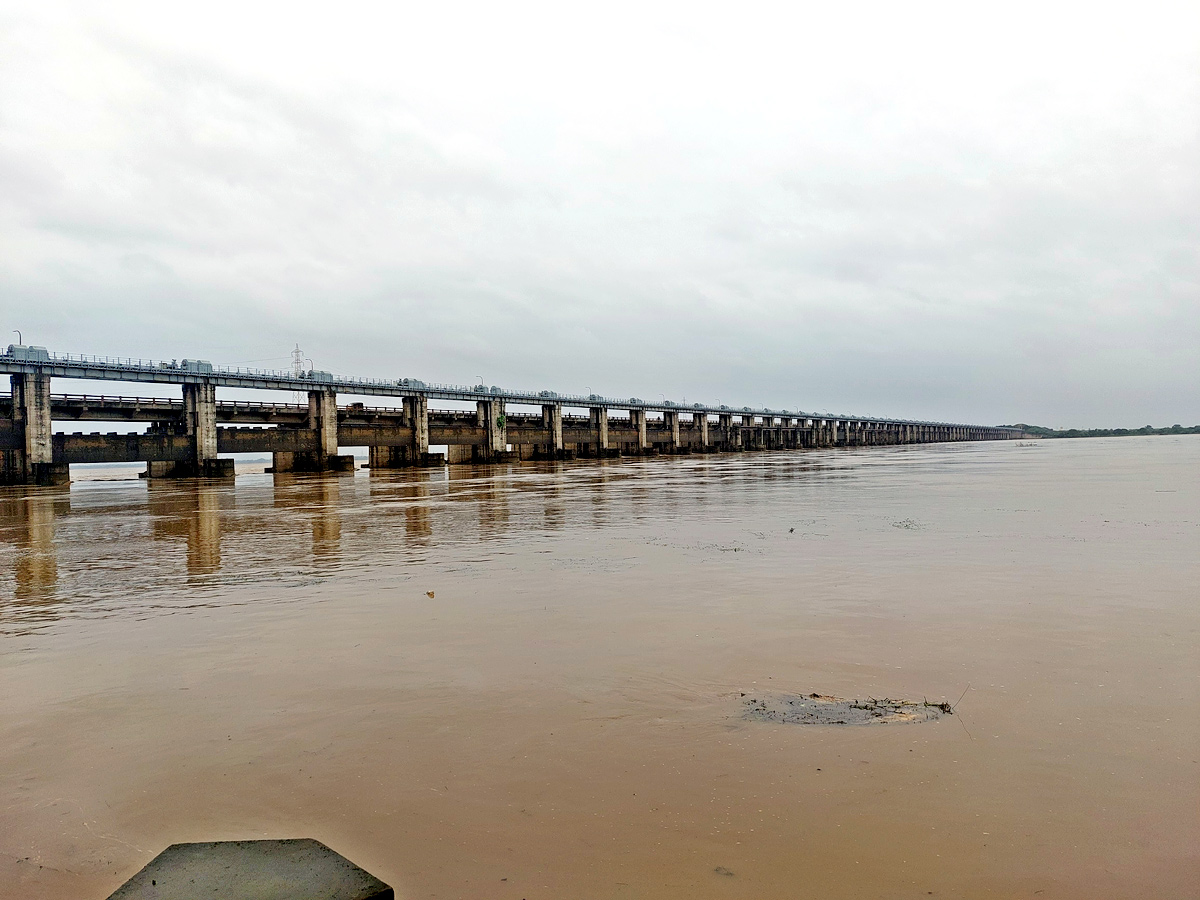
(184, 437)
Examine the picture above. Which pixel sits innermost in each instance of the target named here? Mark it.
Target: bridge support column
(725, 426)
(322, 420)
(599, 425)
(491, 419)
(637, 417)
(552, 422)
(200, 414)
(746, 436)
(200, 425)
(700, 423)
(671, 422)
(415, 453)
(33, 461)
(416, 413)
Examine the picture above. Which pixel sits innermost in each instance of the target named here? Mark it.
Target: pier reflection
(27, 522)
(324, 496)
(165, 537)
(407, 493)
(418, 523)
(554, 509)
(191, 510)
(319, 499)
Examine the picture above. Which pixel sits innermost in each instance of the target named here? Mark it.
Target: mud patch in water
(820, 709)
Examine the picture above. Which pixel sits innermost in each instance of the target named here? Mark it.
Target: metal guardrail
(263, 405)
(71, 365)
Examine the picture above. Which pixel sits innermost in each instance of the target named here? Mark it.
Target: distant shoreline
(1039, 431)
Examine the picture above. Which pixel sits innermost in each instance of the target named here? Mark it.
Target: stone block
(297, 869)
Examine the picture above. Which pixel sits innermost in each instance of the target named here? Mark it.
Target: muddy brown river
(530, 681)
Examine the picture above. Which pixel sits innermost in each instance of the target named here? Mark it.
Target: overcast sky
(900, 209)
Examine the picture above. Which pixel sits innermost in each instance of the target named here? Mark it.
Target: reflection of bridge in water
(99, 547)
(186, 437)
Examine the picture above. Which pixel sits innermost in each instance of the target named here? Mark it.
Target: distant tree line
(1106, 432)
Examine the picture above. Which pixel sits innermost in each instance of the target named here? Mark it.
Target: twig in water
(960, 696)
(963, 722)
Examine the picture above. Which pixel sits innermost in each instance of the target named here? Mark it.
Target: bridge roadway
(185, 437)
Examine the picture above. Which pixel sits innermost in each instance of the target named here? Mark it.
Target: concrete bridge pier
(599, 426)
(322, 418)
(552, 421)
(637, 418)
(671, 425)
(32, 460)
(322, 421)
(729, 436)
(415, 415)
(746, 433)
(700, 424)
(200, 426)
(489, 419)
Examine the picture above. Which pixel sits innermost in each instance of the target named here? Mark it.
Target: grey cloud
(878, 258)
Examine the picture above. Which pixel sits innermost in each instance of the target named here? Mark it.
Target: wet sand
(563, 717)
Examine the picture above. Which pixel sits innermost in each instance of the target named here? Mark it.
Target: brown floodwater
(530, 681)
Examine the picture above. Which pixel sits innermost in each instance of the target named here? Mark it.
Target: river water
(529, 681)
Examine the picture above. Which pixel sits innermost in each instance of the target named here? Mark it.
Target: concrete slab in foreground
(298, 869)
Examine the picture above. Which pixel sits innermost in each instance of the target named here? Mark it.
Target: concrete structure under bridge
(185, 437)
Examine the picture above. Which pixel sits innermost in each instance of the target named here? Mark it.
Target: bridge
(185, 437)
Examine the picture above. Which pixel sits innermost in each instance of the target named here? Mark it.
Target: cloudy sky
(945, 212)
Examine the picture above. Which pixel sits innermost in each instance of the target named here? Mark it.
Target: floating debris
(821, 709)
